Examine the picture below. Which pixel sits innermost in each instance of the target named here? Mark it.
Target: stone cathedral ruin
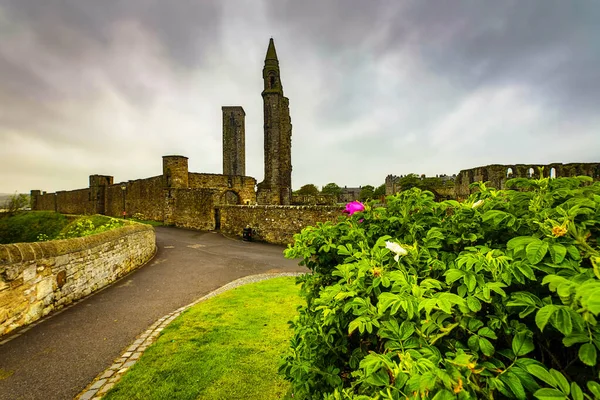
(228, 201)
(232, 201)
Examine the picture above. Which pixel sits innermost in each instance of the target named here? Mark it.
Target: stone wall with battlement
(38, 278)
(177, 197)
(141, 196)
(272, 223)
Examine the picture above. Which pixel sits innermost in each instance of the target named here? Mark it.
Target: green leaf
(575, 338)
(587, 354)
(520, 241)
(473, 303)
(576, 392)
(557, 252)
(453, 275)
(594, 387)
(526, 271)
(573, 252)
(444, 394)
(543, 316)
(353, 325)
(470, 281)
(427, 381)
(562, 321)
(522, 343)
(513, 382)
(379, 378)
(473, 343)
(536, 251)
(549, 394)
(542, 374)
(563, 385)
(529, 383)
(486, 347)
(488, 333)
(593, 303)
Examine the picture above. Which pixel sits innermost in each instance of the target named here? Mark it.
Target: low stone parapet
(38, 278)
(274, 224)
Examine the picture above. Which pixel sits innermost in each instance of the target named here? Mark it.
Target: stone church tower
(234, 137)
(277, 185)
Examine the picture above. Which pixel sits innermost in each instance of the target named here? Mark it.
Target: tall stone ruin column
(175, 176)
(234, 142)
(276, 188)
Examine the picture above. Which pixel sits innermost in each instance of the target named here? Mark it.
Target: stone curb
(109, 377)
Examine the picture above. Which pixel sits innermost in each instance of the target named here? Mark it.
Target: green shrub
(495, 297)
(89, 225)
(26, 226)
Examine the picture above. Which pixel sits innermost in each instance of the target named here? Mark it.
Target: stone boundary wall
(38, 278)
(191, 209)
(273, 224)
(498, 174)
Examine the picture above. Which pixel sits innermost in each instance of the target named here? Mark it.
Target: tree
(332, 189)
(308, 190)
(366, 192)
(379, 192)
(410, 181)
(424, 183)
(15, 203)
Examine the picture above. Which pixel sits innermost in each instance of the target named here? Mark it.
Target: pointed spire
(271, 53)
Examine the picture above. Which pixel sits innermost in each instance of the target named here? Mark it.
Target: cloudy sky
(375, 87)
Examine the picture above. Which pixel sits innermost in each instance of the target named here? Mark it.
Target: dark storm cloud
(552, 46)
(70, 28)
(375, 86)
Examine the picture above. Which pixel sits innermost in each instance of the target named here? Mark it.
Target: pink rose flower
(355, 206)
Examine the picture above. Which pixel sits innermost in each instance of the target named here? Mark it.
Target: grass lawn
(227, 347)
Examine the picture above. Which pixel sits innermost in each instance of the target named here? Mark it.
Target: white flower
(478, 203)
(397, 249)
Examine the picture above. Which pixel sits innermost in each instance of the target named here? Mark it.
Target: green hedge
(496, 297)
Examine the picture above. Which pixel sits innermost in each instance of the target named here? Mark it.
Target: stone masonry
(38, 278)
(234, 145)
(497, 174)
(276, 188)
(272, 223)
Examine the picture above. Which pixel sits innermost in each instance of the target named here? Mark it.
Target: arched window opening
(530, 173)
(272, 81)
(509, 173)
(484, 175)
(552, 173)
(231, 198)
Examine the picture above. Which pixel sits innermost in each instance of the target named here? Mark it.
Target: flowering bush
(354, 207)
(495, 297)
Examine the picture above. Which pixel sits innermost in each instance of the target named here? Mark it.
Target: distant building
(350, 194)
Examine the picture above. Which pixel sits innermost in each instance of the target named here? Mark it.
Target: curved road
(59, 357)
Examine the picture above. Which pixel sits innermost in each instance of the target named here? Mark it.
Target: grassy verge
(34, 226)
(227, 347)
(26, 226)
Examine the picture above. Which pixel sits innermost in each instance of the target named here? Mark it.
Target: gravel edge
(109, 377)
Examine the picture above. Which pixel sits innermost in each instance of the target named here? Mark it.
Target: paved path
(59, 357)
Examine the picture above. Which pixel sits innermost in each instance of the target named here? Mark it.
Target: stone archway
(230, 197)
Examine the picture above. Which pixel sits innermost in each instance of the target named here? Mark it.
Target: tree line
(370, 192)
